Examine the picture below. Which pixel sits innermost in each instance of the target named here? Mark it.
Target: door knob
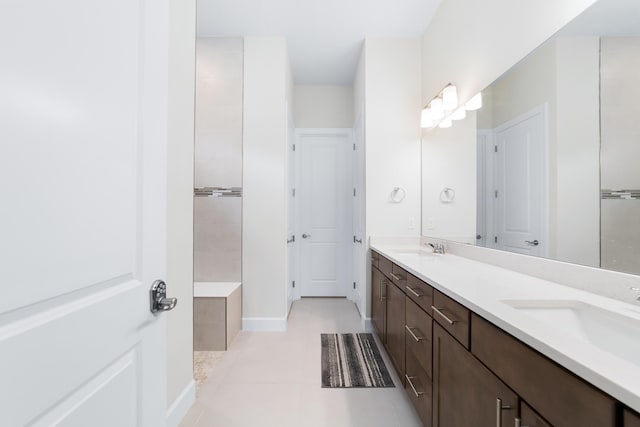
(158, 296)
(306, 236)
(530, 243)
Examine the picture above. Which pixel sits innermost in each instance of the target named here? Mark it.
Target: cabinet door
(395, 327)
(378, 305)
(465, 393)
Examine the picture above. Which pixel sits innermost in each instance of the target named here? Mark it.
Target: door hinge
(495, 148)
(495, 239)
(294, 147)
(354, 192)
(293, 192)
(495, 193)
(293, 284)
(354, 147)
(354, 285)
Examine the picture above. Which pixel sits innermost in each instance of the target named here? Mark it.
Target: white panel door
(324, 191)
(358, 242)
(291, 210)
(82, 176)
(521, 184)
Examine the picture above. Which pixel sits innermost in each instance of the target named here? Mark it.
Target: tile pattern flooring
(273, 379)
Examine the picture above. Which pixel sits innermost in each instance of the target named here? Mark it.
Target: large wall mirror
(550, 165)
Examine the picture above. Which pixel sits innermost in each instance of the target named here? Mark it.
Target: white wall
(449, 160)
(322, 106)
(392, 128)
(264, 178)
(180, 202)
(471, 43)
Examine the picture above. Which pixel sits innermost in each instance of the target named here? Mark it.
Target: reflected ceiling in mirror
(548, 167)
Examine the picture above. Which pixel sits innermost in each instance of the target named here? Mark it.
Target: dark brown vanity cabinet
(459, 370)
(395, 327)
(559, 396)
(378, 303)
(418, 371)
(466, 393)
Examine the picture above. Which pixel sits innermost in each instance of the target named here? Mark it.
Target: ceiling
(324, 37)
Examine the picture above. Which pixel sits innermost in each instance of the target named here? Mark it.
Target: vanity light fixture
(440, 110)
(459, 114)
(437, 109)
(474, 103)
(426, 118)
(450, 97)
(446, 123)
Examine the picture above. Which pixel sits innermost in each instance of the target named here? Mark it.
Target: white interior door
(291, 210)
(324, 193)
(83, 182)
(358, 243)
(521, 184)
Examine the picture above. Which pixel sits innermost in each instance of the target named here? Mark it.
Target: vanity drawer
(453, 317)
(420, 292)
(418, 335)
(557, 394)
(418, 386)
(399, 277)
(384, 265)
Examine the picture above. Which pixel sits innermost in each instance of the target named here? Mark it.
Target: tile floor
(273, 379)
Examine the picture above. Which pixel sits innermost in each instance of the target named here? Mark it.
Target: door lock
(158, 298)
(306, 236)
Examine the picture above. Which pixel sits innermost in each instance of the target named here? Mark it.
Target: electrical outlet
(429, 224)
(412, 223)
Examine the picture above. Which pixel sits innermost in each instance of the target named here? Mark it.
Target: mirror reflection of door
(513, 192)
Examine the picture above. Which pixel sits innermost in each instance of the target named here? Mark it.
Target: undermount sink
(612, 332)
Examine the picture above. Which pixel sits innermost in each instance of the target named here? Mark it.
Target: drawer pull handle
(416, 392)
(444, 316)
(417, 294)
(398, 278)
(499, 408)
(410, 330)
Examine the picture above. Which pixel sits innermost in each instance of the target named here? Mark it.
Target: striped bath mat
(352, 360)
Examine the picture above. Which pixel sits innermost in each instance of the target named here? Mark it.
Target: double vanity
(479, 345)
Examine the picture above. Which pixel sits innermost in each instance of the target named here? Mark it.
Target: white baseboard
(264, 324)
(181, 405)
(367, 325)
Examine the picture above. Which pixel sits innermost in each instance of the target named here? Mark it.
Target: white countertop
(483, 287)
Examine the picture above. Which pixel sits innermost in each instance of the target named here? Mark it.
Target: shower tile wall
(620, 152)
(218, 158)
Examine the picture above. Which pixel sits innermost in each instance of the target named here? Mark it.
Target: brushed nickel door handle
(158, 298)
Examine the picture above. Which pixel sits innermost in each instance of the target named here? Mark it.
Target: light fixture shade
(446, 123)
(450, 98)
(459, 114)
(474, 103)
(437, 110)
(426, 119)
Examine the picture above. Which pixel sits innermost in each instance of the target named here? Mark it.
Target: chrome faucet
(438, 248)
